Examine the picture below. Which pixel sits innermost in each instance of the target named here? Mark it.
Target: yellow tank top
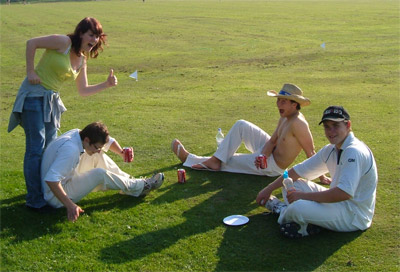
(54, 68)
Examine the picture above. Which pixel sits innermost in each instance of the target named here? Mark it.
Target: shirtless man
(290, 137)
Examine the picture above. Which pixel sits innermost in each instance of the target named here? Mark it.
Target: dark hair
(84, 26)
(97, 132)
(298, 107)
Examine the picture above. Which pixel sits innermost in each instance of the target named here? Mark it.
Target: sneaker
(275, 205)
(291, 230)
(152, 183)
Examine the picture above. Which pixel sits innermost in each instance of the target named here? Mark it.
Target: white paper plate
(236, 220)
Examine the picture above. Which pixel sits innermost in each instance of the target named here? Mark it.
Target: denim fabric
(38, 135)
(52, 105)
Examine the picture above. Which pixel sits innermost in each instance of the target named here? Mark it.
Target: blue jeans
(38, 135)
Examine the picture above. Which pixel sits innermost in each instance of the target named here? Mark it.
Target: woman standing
(38, 106)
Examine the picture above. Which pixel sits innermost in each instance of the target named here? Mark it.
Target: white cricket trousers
(97, 173)
(254, 139)
(333, 216)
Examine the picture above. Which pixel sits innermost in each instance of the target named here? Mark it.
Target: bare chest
(285, 132)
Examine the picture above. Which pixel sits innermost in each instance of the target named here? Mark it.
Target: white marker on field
(134, 75)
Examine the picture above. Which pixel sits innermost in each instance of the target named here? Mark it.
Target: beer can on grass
(263, 161)
(128, 154)
(181, 175)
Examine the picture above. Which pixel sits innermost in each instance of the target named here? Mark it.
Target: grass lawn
(203, 65)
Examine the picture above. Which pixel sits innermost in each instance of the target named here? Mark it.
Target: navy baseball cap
(336, 114)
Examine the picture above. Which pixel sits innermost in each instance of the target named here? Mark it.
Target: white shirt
(355, 173)
(61, 158)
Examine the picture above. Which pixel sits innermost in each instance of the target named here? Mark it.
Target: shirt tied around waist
(53, 106)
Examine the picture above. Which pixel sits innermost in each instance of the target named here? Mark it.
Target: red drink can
(181, 175)
(263, 161)
(128, 154)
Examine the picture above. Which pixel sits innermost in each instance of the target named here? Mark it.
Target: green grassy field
(204, 65)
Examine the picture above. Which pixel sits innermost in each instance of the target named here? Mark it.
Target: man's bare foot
(211, 164)
(179, 150)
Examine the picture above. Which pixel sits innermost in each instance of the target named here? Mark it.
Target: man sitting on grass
(349, 203)
(290, 137)
(74, 164)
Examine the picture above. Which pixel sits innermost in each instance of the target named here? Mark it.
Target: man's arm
(329, 196)
(73, 210)
(303, 135)
(269, 146)
(63, 165)
(117, 149)
(265, 193)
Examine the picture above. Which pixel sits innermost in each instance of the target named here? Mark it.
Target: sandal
(178, 149)
(203, 167)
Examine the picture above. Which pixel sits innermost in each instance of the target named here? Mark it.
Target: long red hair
(85, 25)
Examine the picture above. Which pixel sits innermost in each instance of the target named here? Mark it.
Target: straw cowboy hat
(291, 92)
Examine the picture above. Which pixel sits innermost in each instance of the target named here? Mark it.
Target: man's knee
(98, 174)
(296, 210)
(299, 205)
(241, 124)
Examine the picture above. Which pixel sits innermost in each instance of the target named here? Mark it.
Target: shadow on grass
(255, 246)
(18, 223)
(21, 224)
(199, 219)
(174, 167)
(260, 247)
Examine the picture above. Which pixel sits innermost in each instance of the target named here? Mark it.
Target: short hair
(298, 107)
(97, 132)
(83, 26)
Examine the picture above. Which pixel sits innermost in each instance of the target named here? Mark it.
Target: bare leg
(212, 163)
(179, 150)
